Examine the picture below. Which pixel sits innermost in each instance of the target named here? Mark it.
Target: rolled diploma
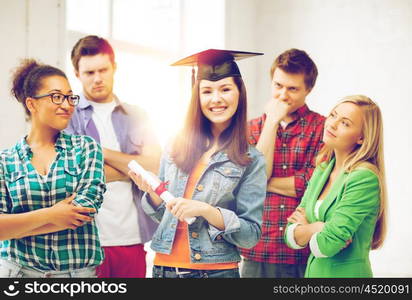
(166, 196)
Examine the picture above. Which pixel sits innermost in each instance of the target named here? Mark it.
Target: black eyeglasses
(58, 98)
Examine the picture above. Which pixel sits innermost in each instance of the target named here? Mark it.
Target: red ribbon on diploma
(161, 188)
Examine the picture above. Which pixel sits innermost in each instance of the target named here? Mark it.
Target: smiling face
(96, 73)
(43, 111)
(343, 127)
(219, 101)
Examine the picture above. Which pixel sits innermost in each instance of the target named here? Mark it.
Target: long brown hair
(369, 155)
(196, 136)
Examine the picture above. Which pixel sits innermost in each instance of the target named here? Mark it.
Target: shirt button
(284, 145)
(282, 206)
(195, 235)
(198, 256)
(284, 167)
(280, 228)
(200, 188)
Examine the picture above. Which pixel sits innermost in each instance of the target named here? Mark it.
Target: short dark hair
(297, 61)
(27, 79)
(89, 46)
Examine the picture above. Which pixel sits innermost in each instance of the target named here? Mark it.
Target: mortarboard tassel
(193, 76)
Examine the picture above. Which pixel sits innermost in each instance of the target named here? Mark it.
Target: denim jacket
(237, 191)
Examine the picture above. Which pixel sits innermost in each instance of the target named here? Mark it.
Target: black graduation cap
(215, 64)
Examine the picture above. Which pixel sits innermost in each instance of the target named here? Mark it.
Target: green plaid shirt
(78, 167)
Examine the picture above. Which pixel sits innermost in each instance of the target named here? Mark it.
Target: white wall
(11, 12)
(27, 29)
(359, 47)
(241, 34)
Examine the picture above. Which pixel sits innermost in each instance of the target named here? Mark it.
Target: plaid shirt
(78, 167)
(296, 148)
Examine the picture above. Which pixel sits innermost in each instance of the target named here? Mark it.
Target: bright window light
(147, 37)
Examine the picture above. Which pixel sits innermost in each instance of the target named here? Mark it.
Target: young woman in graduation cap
(214, 175)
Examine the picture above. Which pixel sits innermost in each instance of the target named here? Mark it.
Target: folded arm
(149, 159)
(61, 216)
(91, 182)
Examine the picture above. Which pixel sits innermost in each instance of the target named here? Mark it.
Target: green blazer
(349, 211)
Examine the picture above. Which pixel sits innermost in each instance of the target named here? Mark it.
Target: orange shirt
(180, 255)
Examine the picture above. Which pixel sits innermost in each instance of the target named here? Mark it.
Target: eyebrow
(227, 84)
(334, 111)
(59, 91)
(88, 71)
(96, 69)
(221, 86)
(291, 86)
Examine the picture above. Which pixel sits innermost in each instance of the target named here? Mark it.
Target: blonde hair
(369, 155)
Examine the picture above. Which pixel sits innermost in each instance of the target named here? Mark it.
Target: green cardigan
(350, 211)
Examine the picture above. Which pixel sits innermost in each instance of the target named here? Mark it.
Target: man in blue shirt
(124, 132)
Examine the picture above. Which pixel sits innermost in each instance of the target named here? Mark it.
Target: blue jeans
(172, 272)
(11, 269)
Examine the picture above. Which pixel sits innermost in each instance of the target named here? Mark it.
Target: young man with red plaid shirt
(289, 135)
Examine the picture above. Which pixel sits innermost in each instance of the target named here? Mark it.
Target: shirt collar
(222, 156)
(301, 112)
(297, 115)
(63, 140)
(84, 103)
(24, 150)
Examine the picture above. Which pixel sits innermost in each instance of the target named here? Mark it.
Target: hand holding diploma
(155, 185)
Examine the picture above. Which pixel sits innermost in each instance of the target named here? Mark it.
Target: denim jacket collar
(220, 156)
